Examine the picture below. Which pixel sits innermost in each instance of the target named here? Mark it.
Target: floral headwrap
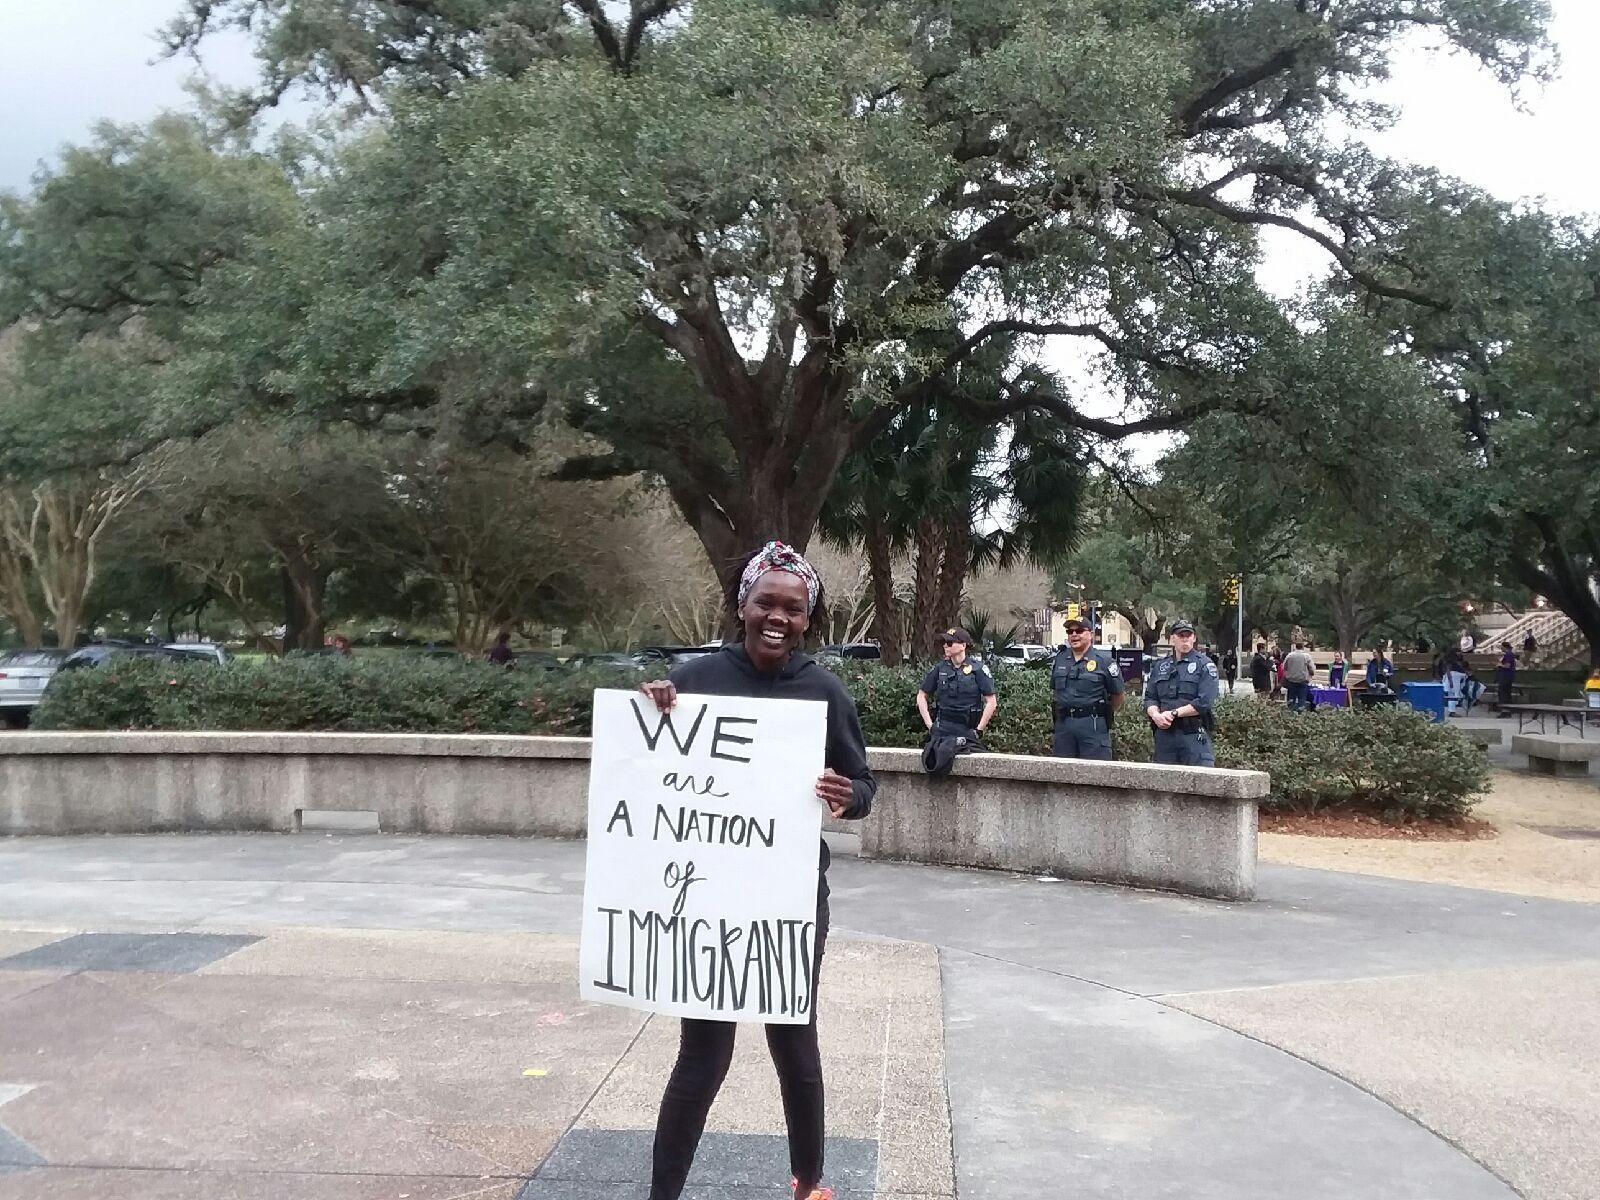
(775, 556)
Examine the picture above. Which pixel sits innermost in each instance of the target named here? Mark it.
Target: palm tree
(961, 494)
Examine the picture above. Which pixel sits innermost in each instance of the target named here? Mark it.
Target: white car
(24, 674)
(1020, 656)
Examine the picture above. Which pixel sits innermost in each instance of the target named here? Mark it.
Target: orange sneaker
(816, 1193)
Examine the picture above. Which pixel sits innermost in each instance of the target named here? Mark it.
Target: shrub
(390, 695)
(1391, 759)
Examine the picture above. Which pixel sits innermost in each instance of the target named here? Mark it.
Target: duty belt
(1093, 711)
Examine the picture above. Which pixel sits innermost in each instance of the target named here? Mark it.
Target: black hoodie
(729, 672)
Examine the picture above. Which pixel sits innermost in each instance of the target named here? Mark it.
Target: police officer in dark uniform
(1088, 689)
(1179, 699)
(963, 691)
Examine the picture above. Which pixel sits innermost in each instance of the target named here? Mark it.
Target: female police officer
(962, 689)
(1178, 700)
(1087, 689)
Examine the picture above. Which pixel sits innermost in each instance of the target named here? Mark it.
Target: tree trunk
(1351, 621)
(15, 601)
(880, 574)
(931, 543)
(952, 573)
(304, 588)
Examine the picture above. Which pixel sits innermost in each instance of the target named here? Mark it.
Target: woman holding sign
(777, 595)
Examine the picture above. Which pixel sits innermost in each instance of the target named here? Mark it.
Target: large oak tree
(734, 235)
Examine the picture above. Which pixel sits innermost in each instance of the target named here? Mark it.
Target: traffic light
(1074, 611)
(1230, 590)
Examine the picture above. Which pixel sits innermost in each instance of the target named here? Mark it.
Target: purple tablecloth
(1332, 697)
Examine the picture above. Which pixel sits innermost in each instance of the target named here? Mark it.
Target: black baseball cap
(1182, 627)
(956, 635)
(1079, 622)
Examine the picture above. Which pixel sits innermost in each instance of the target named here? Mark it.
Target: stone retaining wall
(1178, 828)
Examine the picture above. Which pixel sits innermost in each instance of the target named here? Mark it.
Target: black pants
(1503, 692)
(705, 1051)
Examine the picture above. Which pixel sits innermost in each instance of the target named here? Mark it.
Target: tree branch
(1247, 216)
(604, 33)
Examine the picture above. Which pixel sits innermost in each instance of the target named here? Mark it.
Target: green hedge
(1390, 759)
(387, 695)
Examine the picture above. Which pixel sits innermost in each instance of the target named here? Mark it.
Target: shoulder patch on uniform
(1112, 667)
(1211, 669)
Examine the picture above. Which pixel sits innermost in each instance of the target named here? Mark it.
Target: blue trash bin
(1427, 698)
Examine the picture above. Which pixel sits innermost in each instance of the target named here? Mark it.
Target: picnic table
(1527, 714)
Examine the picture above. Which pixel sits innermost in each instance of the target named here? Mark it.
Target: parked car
(101, 653)
(24, 674)
(832, 656)
(671, 656)
(1016, 655)
(536, 660)
(205, 651)
(608, 660)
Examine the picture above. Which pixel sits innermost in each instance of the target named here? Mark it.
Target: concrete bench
(1556, 756)
(1184, 829)
(1176, 828)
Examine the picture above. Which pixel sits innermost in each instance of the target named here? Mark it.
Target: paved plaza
(340, 1016)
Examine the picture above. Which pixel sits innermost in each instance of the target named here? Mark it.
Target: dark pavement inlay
(168, 953)
(16, 1154)
(588, 1164)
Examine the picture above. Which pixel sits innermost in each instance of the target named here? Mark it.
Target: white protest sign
(700, 891)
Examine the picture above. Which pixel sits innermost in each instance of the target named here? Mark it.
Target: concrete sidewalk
(343, 1016)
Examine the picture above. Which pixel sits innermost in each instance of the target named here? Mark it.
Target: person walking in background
(1261, 669)
(1298, 668)
(500, 653)
(1505, 675)
(1530, 644)
(1336, 670)
(1086, 689)
(1230, 668)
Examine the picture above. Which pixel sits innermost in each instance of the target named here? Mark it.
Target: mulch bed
(1355, 823)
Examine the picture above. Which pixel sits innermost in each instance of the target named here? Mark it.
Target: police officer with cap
(1087, 690)
(1178, 700)
(964, 690)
